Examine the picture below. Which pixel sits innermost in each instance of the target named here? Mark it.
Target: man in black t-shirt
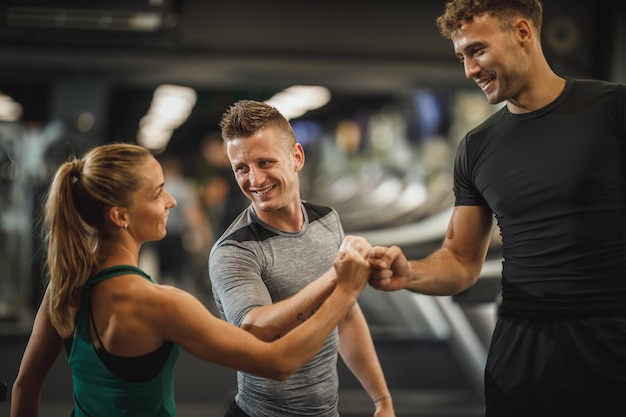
(550, 167)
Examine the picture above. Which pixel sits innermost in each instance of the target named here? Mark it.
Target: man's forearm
(273, 321)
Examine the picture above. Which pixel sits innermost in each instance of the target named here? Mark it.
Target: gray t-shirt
(254, 264)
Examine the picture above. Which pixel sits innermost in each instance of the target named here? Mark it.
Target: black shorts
(540, 367)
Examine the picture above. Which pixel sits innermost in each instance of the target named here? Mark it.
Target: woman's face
(150, 205)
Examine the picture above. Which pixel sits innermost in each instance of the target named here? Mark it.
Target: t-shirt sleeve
(236, 282)
(465, 192)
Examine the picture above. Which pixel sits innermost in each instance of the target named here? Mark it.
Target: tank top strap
(115, 271)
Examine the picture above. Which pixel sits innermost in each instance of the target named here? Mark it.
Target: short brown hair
(458, 11)
(245, 117)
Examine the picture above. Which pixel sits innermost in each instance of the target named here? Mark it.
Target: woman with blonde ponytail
(122, 331)
(70, 256)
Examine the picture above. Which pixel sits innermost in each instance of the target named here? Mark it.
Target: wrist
(331, 278)
(382, 398)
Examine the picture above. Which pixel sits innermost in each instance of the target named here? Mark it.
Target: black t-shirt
(556, 181)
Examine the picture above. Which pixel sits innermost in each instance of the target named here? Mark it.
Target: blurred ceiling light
(10, 110)
(296, 100)
(145, 22)
(85, 121)
(171, 106)
(89, 18)
(153, 138)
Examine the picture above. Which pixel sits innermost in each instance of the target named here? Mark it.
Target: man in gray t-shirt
(273, 267)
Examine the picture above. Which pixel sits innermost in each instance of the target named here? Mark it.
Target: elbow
(262, 330)
(24, 401)
(467, 282)
(18, 388)
(261, 333)
(281, 368)
(285, 367)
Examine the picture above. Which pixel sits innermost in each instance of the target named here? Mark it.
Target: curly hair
(456, 12)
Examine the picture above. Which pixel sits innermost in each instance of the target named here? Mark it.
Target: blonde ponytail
(80, 195)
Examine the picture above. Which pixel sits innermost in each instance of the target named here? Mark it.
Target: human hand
(390, 268)
(358, 243)
(352, 269)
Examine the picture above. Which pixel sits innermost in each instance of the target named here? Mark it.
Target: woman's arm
(185, 321)
(41, 352)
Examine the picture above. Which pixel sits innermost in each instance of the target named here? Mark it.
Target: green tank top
(98, 391)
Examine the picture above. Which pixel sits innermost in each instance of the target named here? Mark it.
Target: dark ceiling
(55, 53)
(360, 45)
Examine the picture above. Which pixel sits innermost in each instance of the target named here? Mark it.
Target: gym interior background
(76, 74)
